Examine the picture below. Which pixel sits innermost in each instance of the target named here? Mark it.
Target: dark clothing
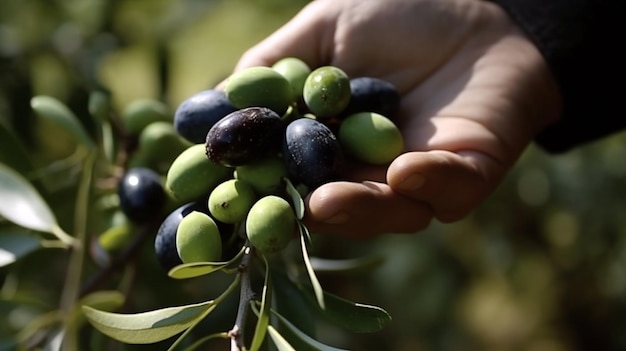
(583, 43)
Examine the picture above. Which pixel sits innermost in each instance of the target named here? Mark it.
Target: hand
(475, 91)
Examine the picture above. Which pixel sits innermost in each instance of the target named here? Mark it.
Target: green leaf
(197, 269)
(14, 245)
(202, 340)
(296, 198)
(309, 344)
(264, 315)
(317, 287)
(22, 204)
(147, 327)
(352, 316)
(280, 342)
(12, 151)
(322, 265)
(58, 114)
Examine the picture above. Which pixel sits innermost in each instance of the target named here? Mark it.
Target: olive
(271, 223)
(371, 137)
(244, 136)
(311, 152)
(198, 113)
(230, 201)
(161, 144)
(192, 176)
(295, 71)
(198, 239)
(326, 91)
(141, 194)
(265, 176)
(259, 86)
(371, 94)
(140, 113)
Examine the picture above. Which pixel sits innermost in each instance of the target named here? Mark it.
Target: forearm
(580, 41)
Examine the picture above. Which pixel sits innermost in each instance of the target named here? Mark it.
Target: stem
(246, 295)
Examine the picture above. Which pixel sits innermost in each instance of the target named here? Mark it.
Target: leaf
(352, 316)
(264, 315)
(147, 327)
(309, 343)
(296, 198)
(202, 340)
(14, 245)
(317, 288)
(12, 151)
(280, 342)
(289, 300)
(22, 204)
(57, 113)
(196, 269)
(322, 265)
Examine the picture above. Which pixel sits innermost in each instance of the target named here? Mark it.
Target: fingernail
(412, 182)
(339, 218)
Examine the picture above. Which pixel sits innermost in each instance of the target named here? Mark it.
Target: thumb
(453, 184)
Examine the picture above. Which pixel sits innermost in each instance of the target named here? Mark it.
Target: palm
(469, 82)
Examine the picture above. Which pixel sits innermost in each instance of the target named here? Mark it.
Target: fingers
(453, 184)
(307, 36)
(363, 210)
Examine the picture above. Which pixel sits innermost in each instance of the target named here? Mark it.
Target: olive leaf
(352, 316)
(197, 269)
(306, 343)
(317, 288)
(15, 245)
(12, 151)
(296, 198)
(264, 314)
(148, 327)
(24, 206)
(279, 341)
(322, 265)
(59, 115)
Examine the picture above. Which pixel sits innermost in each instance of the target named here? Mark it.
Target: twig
(246, 295)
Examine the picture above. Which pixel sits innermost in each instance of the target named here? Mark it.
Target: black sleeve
(583, 43)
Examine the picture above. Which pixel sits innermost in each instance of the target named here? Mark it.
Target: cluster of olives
(268, 126)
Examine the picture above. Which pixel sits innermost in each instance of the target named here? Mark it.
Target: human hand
(475, 92)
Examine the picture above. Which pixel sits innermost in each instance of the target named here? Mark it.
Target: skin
(475, 92)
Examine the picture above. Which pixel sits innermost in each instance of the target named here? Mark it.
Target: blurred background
(540, 266)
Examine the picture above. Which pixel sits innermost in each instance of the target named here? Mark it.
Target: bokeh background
(540, 266)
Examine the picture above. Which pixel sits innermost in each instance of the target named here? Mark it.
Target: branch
(246, 295)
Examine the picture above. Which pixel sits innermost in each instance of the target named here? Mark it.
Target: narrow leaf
(14, 245)
(197, 269)
(147, 327)
(310, 343)
(322, 265)
(296, 198)
(352, 316)
(202, 340)
(55, 112)
(280, 342)
(264, 315)
(317, 288)
(22, 204)
(13, 152)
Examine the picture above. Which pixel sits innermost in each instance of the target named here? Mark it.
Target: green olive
(192, 175)
(161, 144)
(271, 223)
(327, 91)
(265, 176)
(140, 113)
(230, 201)
(371, 137)
(198, 239)
(295, 71)
(259, 87)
